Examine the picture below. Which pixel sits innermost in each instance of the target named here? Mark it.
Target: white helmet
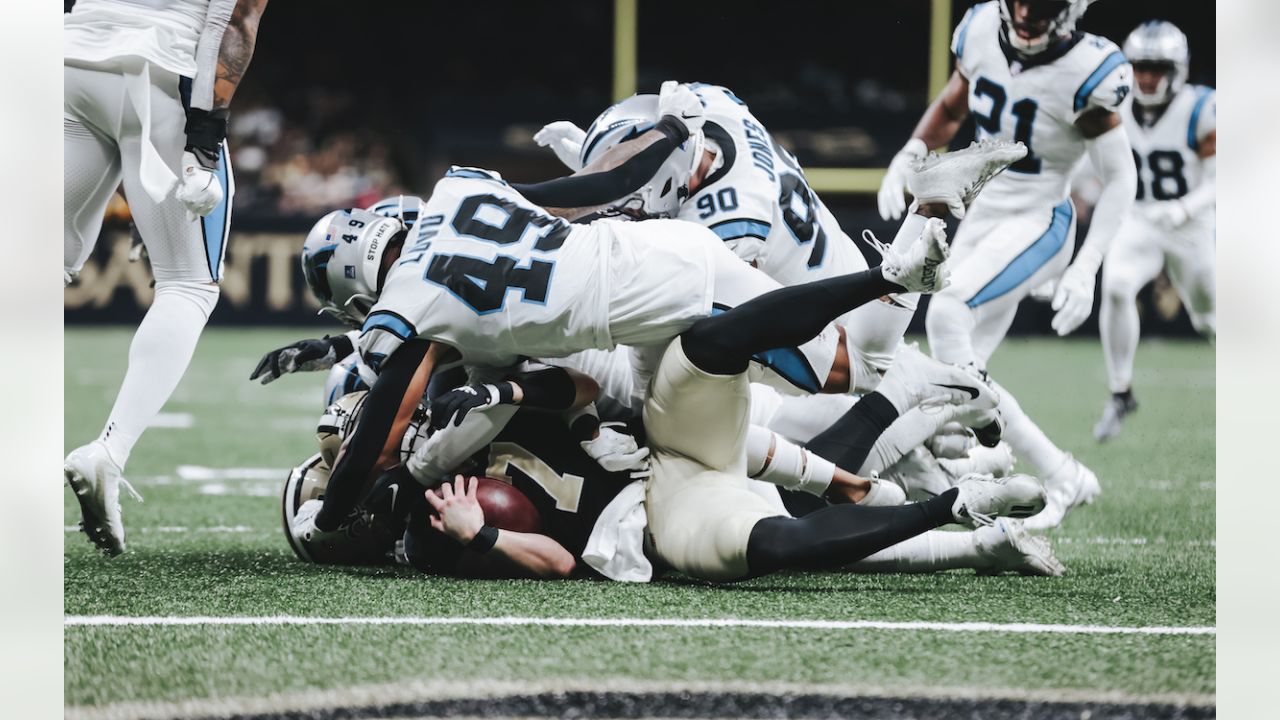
(628, 120)
(1157, 42)
(341, 260)
(1061, 24)
(405, 208)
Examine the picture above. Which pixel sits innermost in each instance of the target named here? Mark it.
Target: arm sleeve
(365, 445)
(592, 189)
(436, 459)
(210, 44)
(548, 388)
(1113, 159)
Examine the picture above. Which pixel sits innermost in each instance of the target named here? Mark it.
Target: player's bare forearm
(944, 116)
(530, 555)
(408, 405)
(236, 50)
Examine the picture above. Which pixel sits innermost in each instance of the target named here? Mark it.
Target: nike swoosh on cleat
(395, 490)
(973, 391)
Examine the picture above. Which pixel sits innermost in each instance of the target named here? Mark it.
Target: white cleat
(1070, 486)
(95, 478)
(920, 475)
(1008, 547)
(983, 498)
(956, 178)
(925, 381)
(923, 267)
(997, 461)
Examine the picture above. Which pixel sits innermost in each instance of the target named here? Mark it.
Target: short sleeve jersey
(493, 275)
(1167, 151)
(1036, 101)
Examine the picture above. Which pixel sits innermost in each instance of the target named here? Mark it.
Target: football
(505, 507)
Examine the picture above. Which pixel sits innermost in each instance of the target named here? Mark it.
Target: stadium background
(340, 108)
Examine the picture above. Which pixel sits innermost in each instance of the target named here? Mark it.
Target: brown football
(506, 508)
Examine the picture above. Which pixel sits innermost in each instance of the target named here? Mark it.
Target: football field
(210, 615)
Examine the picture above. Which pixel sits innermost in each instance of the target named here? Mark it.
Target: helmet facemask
(1059, 18)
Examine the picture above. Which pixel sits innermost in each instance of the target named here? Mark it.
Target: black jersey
(539, 456)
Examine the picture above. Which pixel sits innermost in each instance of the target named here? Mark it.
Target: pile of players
(683, 363)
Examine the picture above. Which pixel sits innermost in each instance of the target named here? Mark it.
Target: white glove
(615, 451)
(892, 197)
(304, 524)
(1167, 215)
(682, 103)
(198, 189)
(1073, 301)
(565, 140)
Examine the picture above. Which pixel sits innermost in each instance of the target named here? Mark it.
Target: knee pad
(203, 296)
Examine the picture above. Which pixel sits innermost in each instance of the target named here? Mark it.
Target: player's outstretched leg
(842, 534)
(1005, 546)
(724, 344)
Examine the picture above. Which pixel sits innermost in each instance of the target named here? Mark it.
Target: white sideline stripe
(199, 473)
(125, 620)
(181, 529)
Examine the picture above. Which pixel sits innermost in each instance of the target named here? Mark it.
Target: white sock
(909, 431)
(1119, 326)
(949, 324)
(1028, 441)
(161, 350)
(928, 552)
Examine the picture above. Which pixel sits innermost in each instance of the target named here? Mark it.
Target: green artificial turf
(1143, 555)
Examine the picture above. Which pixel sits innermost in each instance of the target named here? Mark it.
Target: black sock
(723, 344)
(849, 440)
(841, 534)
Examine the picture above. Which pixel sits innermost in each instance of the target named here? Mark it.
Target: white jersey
(488, 272)
(163, 32)
(1036, 102)
(757, 201)
(1167, 151)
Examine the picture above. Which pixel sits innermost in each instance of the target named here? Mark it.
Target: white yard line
(199, 473)
(125, 620)
(216, 529)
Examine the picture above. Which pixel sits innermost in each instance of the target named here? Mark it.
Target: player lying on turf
(581, 510)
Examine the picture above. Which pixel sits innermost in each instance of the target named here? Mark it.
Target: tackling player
(1024, 73)
(1174, 136)
(146, 93)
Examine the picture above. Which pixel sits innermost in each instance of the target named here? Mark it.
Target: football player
(751, 192)
(146, 93)
(1173, 132)
(445, 289)
(1024, 73)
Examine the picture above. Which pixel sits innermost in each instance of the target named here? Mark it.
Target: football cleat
(955, 178)
(1119, 406)
(1008, 547)
(983, 498)
(923, 267)
(1070, 486)
(96, 480)
(926, 381)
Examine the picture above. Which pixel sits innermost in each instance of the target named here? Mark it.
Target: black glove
(462, 400)
(206, 129)
(302, 356)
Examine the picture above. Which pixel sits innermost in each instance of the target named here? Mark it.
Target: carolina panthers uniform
(1020, 231)
(758, 202)
(1169, 167)
(544, 462)
(580, 286)
(130, 71)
